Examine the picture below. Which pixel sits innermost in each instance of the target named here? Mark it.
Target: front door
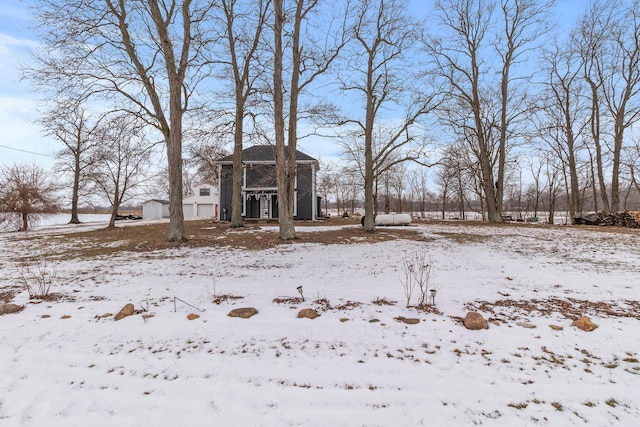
(264, 207)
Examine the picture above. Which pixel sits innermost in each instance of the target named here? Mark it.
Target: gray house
(260, 189)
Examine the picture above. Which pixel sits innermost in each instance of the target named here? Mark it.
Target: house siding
(226, 189)
(260, 181)
(304, 192)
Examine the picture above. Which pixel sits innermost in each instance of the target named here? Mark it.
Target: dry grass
(571, 308)
(145, 238)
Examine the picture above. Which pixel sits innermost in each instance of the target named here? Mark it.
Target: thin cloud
(8, 42)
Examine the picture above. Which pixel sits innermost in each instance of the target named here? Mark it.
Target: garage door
(187, 211)
(205, 210)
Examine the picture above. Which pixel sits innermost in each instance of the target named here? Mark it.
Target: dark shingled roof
(264, 153)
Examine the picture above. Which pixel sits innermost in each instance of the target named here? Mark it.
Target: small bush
(38, 278)
(416, 270)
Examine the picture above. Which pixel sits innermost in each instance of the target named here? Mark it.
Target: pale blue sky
(18, 101)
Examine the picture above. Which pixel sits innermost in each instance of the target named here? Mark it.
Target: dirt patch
(219, 299)
(8, 293)
(383, 301)
(288, 300)
(427, 308)
(571, 308)
(463, 238)
(53, 297)
(145, 238)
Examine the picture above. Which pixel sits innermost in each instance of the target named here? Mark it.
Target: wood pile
(630, 219)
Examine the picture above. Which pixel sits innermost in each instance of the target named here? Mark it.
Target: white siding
(154, 209)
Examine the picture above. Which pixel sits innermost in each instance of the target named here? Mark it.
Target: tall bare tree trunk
(174, 158)
(75, 196)
(286, 228)
(176, 70)
(114, 210)
(618, 137)
(595, 134)
(369, 174)
(243, 35)
(236, 186)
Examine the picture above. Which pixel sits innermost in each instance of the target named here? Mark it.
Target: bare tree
(313, 43)
(26, 193)
(589, 39)
(399, 184)
(457, 176)
(633, 163)
(348, 185)
(122, 162)
(327, 178)
(553, 172)
(564, 114)
(70, 122)
(477, 49)
(444, 178)
(145, 56)
(609, 41)
(244, 22)
(378, 73)
(420, 188)
(536, 165)
(621, 88)
(202, 158)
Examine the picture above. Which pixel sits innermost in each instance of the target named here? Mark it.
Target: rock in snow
(408, 320)
(10, 308)
(127, 310)
(308, 313)
(475, 321)
(585, 324)
(243, 313)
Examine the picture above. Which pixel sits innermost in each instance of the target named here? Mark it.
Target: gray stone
(526, 325)
(408, 320)
(10, 308)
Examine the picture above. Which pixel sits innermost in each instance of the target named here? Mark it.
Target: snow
(277, 370)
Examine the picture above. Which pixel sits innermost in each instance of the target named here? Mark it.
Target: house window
(205, 191)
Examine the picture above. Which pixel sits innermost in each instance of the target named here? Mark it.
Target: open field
(66, 362)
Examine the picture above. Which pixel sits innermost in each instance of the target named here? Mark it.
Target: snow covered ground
(63, 364)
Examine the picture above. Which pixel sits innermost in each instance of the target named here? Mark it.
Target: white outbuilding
(155, 209)
(201, 202)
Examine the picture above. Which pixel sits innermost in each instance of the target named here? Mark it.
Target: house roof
(164, 202)
(265, 153)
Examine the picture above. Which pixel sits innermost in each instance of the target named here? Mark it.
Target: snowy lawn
(68, 363)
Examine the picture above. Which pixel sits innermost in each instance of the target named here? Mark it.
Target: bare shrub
(416, 269)
(38, 277)
(323, 303)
